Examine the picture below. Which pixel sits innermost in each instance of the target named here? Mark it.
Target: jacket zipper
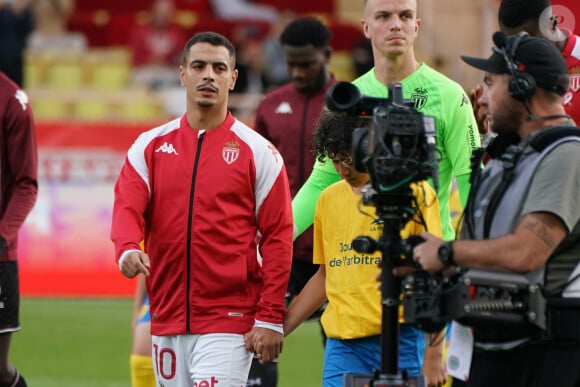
(189, 230)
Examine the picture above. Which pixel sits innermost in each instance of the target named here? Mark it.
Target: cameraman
(523, 214)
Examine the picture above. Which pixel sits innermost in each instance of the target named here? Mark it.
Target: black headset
(521, 85)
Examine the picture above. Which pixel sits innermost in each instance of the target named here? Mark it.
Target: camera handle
(394, 209)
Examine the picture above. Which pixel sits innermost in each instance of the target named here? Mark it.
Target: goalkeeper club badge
(419, 95)
(231, 152)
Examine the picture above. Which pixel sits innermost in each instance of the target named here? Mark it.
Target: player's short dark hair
(306, 31)
(514, 13)
(212, 38)
(333, 134)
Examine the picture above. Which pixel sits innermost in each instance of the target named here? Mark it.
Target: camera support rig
(397, 149)
(503, 300)
(394, 209)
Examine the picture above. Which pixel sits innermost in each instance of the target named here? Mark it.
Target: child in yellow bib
(347, 278)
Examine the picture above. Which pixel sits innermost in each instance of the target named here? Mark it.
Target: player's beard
(506, 123)
(205, 103)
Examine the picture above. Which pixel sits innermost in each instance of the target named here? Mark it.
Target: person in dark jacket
(287, 116)
(16, 24)
(18, 191)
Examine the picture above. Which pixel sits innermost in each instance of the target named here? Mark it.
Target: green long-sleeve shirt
(456, 136)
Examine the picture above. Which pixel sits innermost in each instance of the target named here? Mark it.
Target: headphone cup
(521, 86)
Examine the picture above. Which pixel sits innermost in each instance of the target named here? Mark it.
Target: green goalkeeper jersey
(456, 134)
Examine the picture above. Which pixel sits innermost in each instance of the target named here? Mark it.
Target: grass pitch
(86, 343)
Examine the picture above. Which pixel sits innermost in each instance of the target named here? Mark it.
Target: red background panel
(64, 246)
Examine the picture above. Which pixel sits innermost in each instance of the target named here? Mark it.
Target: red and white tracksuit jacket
(571, 53)
(199, 199)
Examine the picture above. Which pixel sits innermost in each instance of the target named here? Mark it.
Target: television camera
(396, 149)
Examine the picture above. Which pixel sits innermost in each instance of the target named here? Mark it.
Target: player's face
(307, 67)
(345, 168)
(391, 26)
(208, 75)
(503, 111)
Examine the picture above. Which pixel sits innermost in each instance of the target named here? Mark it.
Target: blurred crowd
(33, 30)
(155, 41)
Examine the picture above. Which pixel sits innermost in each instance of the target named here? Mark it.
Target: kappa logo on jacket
(22, 98)
(274, 151)
(167, 148)
(284, 108)
(231, 151)
(568, 97)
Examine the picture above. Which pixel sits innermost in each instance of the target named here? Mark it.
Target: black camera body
(398, 147)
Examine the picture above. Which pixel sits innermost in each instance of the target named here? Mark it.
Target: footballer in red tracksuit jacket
(200, 200)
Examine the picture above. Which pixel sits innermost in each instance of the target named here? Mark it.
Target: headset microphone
(532, 117)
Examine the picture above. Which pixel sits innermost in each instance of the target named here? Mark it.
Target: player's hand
(399, 271)
(266, 343)
(434, 366)
(134, 263)
(249, 340)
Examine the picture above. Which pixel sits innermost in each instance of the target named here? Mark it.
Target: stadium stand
(95, 85)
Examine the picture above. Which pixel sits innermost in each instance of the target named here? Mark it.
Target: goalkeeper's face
(391, 26)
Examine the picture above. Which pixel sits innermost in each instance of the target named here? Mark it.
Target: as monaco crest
(419, 95)
(575, 82)
(231, 152)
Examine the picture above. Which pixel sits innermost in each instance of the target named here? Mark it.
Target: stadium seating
(65, 75)
(91, 110)
(109, 69)
(140, 110)
(46, 109)
(96, 85)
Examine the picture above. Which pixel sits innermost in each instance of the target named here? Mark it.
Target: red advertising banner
(64, 246)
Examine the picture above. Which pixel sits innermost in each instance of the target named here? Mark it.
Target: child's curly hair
(333, 134)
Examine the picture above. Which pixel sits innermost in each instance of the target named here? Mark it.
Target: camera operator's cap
(534, 55)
